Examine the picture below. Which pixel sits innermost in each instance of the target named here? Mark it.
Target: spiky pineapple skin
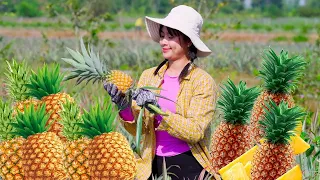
(258, 112)
(11, 159)
(26, 103)
(229, 142)
(270, 161)
(77, 159)
(43, 157)
(53, 107)
(111, 157)
(122, 80)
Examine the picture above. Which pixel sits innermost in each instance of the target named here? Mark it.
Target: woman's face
(174, 47)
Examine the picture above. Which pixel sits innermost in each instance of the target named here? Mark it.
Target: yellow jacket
(191, 122)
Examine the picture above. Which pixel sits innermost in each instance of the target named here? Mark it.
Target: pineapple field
(58, 122)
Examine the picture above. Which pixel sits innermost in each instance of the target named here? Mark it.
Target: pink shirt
(166, 145)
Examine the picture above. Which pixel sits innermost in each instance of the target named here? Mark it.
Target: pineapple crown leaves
(88, 65)
(279, 121)
(70, 116)
(45, 82)
(31, 121)
(281, 73)
(17, 75)
(5, 119)
(237, 102)
(98, 120)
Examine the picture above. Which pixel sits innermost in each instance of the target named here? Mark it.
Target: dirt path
(225, 36)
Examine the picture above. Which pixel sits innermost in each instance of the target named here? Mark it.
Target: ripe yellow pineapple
(232, 137)
(275, 156)
(77, 147)
(45, 85)
(42, 151)
(280, 74)
(110, 155)
(10, 146)
(18, 74)
(88, 66)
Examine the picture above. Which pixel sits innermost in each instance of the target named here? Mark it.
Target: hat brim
(153, 25)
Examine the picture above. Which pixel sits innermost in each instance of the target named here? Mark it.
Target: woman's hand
(116, 95)
(144, 97)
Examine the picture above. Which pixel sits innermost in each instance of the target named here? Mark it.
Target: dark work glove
(116, 95)
(143, 97)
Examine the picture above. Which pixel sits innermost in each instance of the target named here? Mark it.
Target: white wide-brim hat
(182, 18)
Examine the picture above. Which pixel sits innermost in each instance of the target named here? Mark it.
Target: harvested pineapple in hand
(88, 66)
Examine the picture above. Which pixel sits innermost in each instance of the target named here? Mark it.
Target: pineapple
(17, 76)
(42, 151)
(110, 155)
(45, 86)
(280, 74)
(10, 146)
(89, 66)
(77, 146)
(275, 156)
(232, 137)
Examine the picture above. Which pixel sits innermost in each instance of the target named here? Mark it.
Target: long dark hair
(192, 53)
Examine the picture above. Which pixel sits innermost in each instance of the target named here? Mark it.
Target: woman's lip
(165, 49)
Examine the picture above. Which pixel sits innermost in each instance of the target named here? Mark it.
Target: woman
(181, 137)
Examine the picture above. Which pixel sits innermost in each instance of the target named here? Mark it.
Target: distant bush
(273, 11)
(300, 38)
(288, 27)
(305, 28)
(28, 8)
(280, 38)
(128, 26)
(257, 26)
(308, 11)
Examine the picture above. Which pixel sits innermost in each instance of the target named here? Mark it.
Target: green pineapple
(18, 75)
(274, 157)
(10, 146)
(77, 146)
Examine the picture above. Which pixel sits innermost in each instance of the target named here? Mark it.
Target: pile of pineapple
(259, 136)
(46, 135)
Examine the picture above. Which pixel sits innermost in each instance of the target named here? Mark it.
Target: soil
(225, 36)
